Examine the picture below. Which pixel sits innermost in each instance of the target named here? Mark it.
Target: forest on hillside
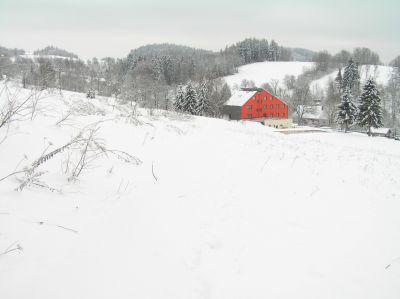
(154, 75)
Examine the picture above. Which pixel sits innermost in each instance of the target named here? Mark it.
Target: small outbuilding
(314, 116)
(383, 132)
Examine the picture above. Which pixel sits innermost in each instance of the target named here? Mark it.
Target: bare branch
(152, 171)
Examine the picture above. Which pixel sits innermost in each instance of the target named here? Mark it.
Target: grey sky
(111, 28)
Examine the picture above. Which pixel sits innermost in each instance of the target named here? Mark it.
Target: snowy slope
(216, 210)
(380, 73)
(263, 72)
(33, 56)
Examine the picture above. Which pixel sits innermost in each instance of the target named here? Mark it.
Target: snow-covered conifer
(202, 98)
(179, 99)
(190, 101)
(347, 110)
(351, 76)
(370, 110)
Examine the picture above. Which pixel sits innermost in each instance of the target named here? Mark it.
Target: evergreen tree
(351, 76)
(168, 68)
(157, 69)
(46, 73)
(347, 110)
(273, 51)
(202, 98)
(190, 101)
(179, 99)
(370, 111)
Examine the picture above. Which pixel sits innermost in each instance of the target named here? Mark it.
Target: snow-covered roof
(240, 97)
(380, 130)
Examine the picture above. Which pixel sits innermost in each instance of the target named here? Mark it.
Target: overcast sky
(111, 28)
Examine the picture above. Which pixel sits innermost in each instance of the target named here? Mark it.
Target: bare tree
(13, 109)
(301, 101)
(274, 83)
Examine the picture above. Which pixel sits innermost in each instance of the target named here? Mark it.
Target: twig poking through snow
(294, 160)
(11, 248)
(152, 171)
(265, 163)
(60, 226)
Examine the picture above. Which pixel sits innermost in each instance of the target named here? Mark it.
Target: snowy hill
(203, 208)
(380, 73)
(262, 72)
(34, 56)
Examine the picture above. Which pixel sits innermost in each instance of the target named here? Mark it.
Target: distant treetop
(51, 50)
(8, 52)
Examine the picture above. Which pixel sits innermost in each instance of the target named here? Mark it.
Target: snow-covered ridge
(33, 56)
(265, 72)
(215, 209)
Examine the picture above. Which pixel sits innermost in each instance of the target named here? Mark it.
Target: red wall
(258, 102)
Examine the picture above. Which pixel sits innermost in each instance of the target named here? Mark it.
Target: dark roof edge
(252, 89)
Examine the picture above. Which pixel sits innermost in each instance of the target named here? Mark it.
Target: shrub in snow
(91, 93)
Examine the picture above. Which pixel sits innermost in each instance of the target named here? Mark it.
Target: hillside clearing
(265, 72)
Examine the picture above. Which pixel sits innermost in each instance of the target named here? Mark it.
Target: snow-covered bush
(91, 93)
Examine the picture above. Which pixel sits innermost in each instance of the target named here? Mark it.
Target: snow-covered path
(233, 210)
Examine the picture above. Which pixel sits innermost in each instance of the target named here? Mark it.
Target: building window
(277, 115)
(248, 107)
(271, 106)
(265, 106)
(248, 115)
(270, 98)
(283, 114)
(265, 98)
(277, 106)
(271, 115)
(265, 114)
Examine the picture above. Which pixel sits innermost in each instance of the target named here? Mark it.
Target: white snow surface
(265, 72)
(240, 97)
(380, 73)
(233, 210)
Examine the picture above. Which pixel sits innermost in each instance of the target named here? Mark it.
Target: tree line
(150, 75)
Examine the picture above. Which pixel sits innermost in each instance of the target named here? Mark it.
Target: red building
(250, 103)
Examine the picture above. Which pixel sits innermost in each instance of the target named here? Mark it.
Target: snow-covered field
(265, 72)
(216, 209)
(380, 73)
